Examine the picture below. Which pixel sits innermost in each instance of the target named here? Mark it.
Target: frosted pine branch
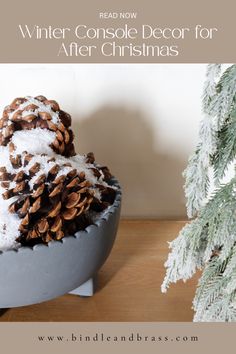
(226, 147)
(212, 74)
(186, 255)
(218, 99)
(215, 299)
(223, 102)
(209, 241)
(197, 172)
(195, 243)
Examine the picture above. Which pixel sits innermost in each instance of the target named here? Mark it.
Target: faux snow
(34, 141)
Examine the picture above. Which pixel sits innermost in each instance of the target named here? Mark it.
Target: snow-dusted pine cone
(46, 191)
(26, 113)
(52, 195)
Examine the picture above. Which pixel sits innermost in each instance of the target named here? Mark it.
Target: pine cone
(52, 198)
(29, 113)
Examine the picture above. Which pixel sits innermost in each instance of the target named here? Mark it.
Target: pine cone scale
(69, 214)
(35, 206)
(43, 226)
(57, 225)
(39, 191)
(55, 210)
(72, 200)
(56, 190)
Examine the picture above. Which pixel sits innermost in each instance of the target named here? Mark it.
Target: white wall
(140, 120)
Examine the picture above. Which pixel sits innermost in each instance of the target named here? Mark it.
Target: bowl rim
(59, 243)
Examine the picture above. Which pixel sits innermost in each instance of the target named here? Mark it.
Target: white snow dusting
(34, 141)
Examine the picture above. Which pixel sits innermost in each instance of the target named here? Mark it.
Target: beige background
(166, 13)
(140, 120)
(212, 337)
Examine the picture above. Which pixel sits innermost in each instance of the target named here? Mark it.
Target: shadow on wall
(123, 140)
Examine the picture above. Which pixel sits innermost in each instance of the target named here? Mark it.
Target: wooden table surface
(128, 284)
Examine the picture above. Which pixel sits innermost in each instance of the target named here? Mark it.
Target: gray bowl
(32, 275)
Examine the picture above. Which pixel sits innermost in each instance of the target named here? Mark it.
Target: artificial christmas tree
(208, 242)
